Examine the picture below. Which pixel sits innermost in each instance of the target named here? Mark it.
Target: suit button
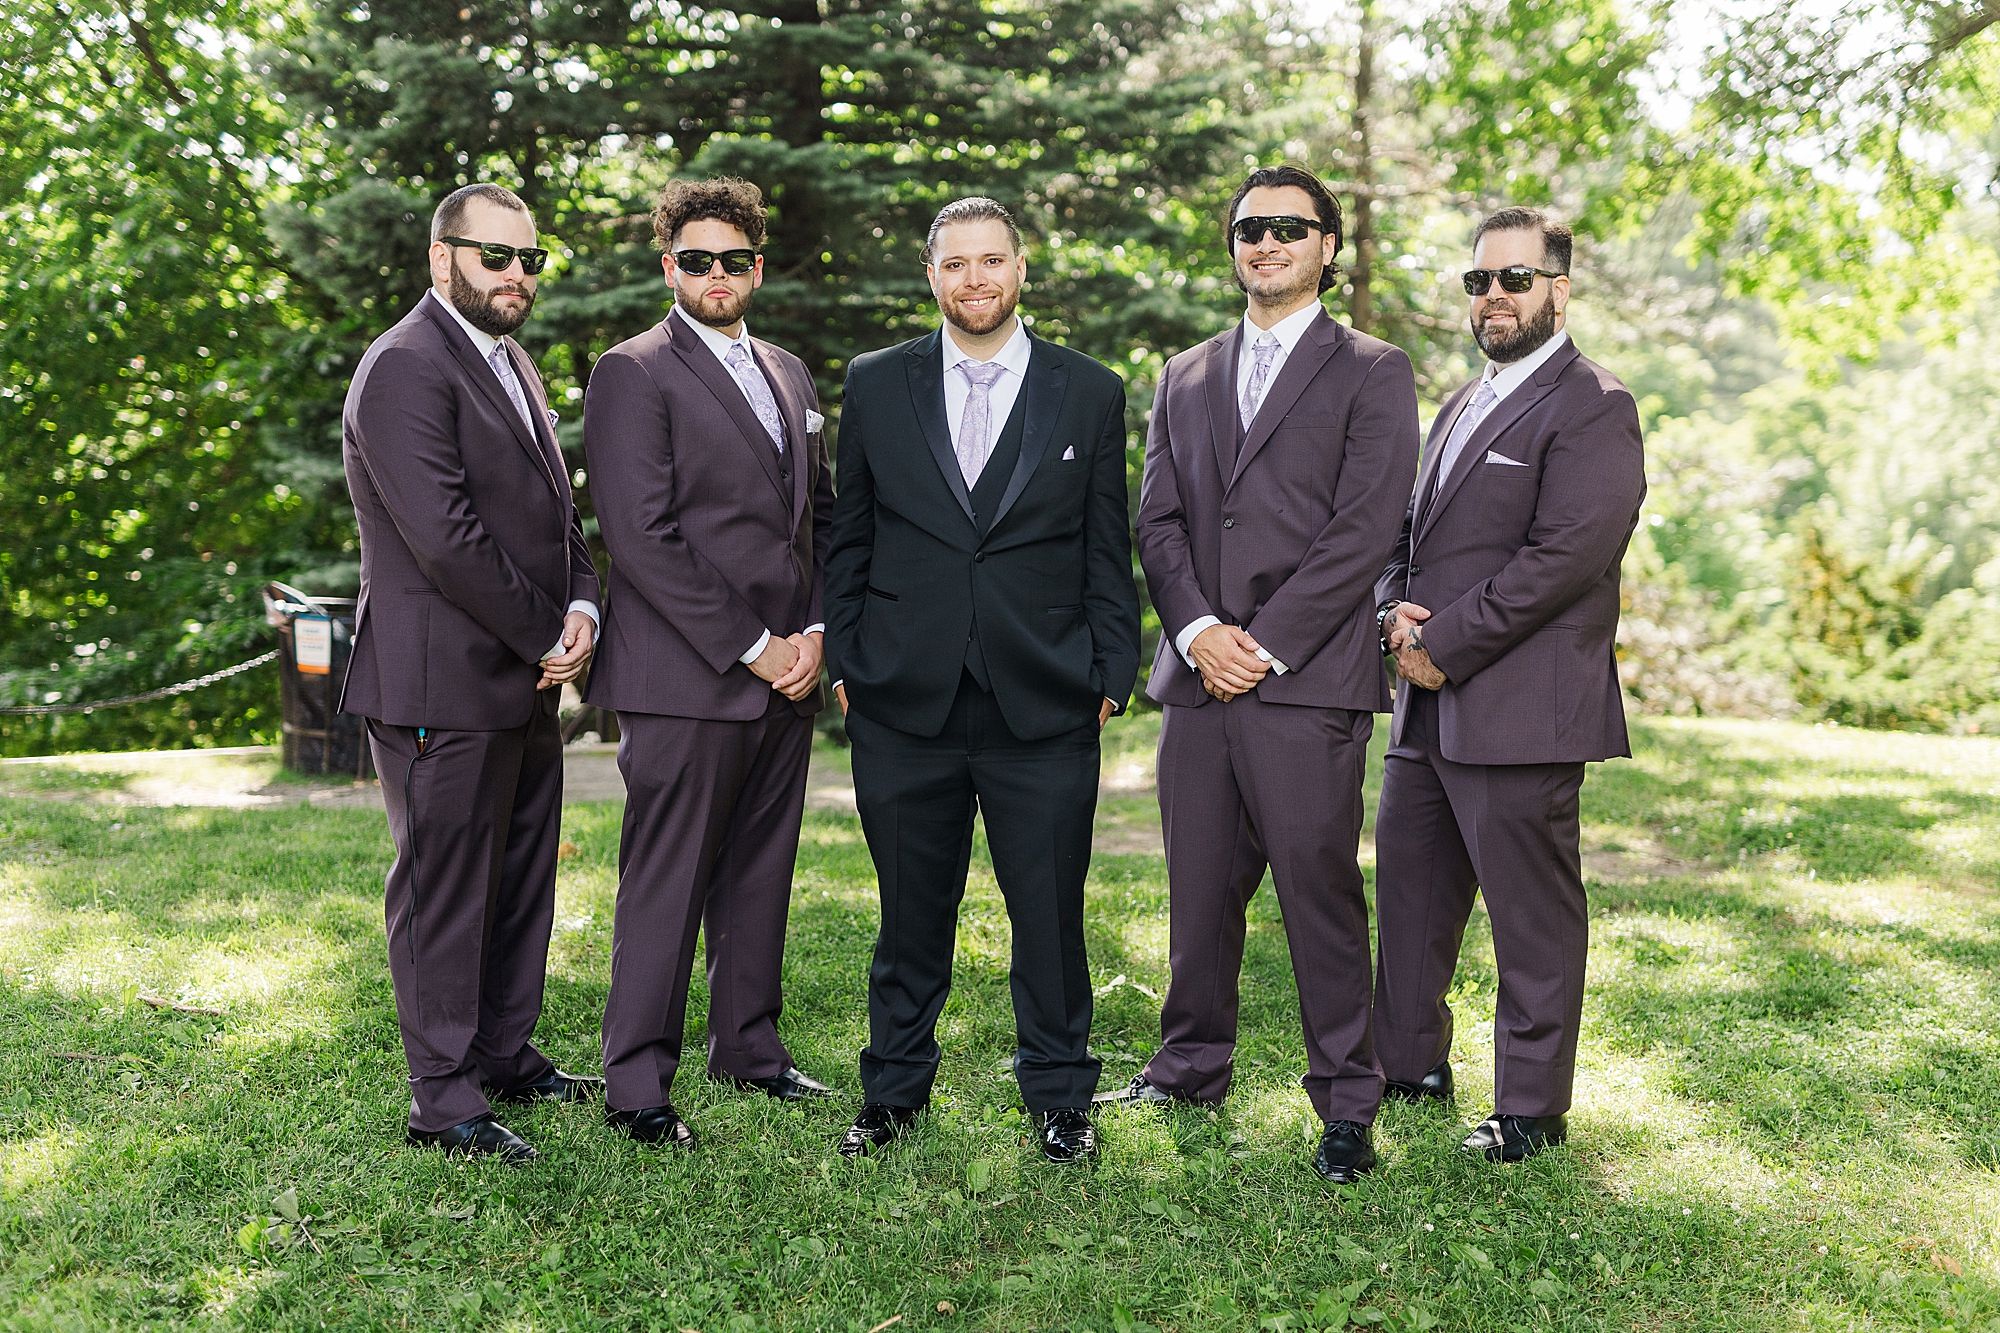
(979, 557)
(1228, 522)
(1416, 570)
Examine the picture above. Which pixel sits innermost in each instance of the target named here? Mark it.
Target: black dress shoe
(878, 1125)
(554, 1086)
(1346, 1152)
(1140, 1092)
(1514, 1138)
(790, 1086)
(1066, 1134)
(653, 1124)
(1432, 1087)
(480, 1137)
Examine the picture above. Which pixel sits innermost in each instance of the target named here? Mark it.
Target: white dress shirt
(1013, 358)
(485, 343)
(1287, 331)
(720, 343)
(1505, 379)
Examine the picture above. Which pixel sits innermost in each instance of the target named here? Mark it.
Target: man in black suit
(982, 626)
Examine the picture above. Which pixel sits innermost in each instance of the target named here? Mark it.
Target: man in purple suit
(478, 599)
(708, 468)
(1278, 467)
(1501, 604)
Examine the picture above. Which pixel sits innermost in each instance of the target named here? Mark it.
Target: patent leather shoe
(1432, 1087)
(653, 1124)
(482, 1136)
(554, 1086)
(1139, 1092)
(1066, 1135)
(1514, 1138)
(790, 1086)
(1346, 1152)
(878, 1125)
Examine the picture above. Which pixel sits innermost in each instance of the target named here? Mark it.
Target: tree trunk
(1360, 308)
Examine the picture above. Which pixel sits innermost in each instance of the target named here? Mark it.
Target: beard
(1529, 333)
(1297, 282)
(978, 325)
(716, 314)
(478, 308)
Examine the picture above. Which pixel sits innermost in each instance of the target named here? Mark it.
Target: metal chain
(38, 710)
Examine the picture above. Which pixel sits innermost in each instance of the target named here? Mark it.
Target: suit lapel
(687, 344)
(1219, 383)
(545, 434)
(1504, 414)
(793, 409)
(1321, 340)
(924, 365)
(1441, 425)
(489, 383)
(1045, 384)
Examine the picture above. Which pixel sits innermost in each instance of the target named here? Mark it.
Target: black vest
(986, 494)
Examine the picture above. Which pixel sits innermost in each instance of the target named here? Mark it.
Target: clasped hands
(1227, 659)
(791, 664)
(1413, 660)
(579, 637)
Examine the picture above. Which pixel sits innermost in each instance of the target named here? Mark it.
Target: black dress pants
(917, 797)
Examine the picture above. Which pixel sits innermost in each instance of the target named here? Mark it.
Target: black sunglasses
(497, 257)
(697, 263)
(1515, 278)
(1288, 230)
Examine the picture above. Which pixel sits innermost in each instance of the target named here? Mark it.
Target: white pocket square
(813, 422)
(1492, 457)
(1069, 454)
(553, 418)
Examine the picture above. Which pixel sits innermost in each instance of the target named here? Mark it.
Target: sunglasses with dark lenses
(697, 263)
(497, 257)
(1515, 278)
(1288, 230)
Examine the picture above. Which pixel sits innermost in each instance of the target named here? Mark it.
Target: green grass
(1788, 1115)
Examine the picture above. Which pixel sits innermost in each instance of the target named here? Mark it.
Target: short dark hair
(1557, 242)
(720, 198)
(975, 208)
(449, 220)
(1277, 178)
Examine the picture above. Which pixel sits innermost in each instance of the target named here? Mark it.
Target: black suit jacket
(1048, 589)
(470, 545)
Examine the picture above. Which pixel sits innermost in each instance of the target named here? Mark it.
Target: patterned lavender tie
(757, 391)
(1264, 349)
(1468, 421)
(505, 371)
(975, 428)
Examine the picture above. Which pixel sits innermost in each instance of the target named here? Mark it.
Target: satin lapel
(695, 356)
(1046, 382)
(1503, 415)
(1321, 340)
(488, 382)
(545, 435)
(1219, 383)
(793, 409)
(924, 364)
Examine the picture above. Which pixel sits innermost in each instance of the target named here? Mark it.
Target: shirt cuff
(589, 609)
(756, 649)
(1185, 639)
(1276, 665)
(816, 629)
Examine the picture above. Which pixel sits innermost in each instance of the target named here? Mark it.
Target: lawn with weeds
(1788, 1112)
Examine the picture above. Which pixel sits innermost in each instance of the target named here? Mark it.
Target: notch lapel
(1441, 426)
(489, 384)
(1504, 414)
(1219, 383)
(695, 356)
(924, 365)
(545, 433)
(1322, 339)
(1046, 382)
(792, 407)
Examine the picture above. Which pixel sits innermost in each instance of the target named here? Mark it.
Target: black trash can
(316, 635)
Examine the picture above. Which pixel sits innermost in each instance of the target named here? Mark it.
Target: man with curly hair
(711, 485)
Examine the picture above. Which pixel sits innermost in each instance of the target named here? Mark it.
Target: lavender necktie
(758, 392)
(1468, 421)
(1264, 349)
(504, 369)
(975, 428)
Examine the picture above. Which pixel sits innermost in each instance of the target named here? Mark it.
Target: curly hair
(723, 198)
(1324, 204)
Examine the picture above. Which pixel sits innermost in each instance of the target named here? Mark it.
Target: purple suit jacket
(1519, 567)
(1289, 541)
(470, 545)
(714, 536)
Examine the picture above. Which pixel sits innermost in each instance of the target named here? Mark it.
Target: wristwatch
(1382, 620)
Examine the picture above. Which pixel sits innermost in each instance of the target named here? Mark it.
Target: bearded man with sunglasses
(478, 601)
(1501, 605)
(1277, 468)
(708, 469)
